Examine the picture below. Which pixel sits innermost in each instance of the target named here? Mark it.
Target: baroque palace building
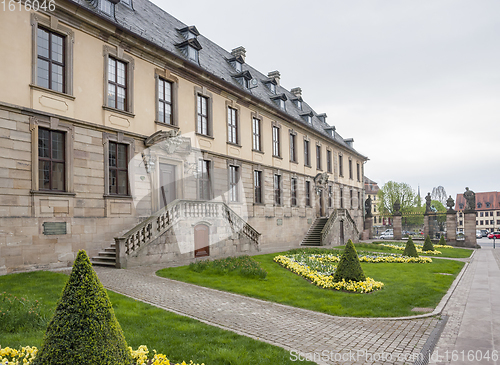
(129, 134)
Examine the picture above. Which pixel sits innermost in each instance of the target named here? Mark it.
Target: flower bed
(418, 247)
(324, 279)
(26, 355)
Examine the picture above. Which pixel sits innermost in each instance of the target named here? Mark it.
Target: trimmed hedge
(442, 241)
(410, 249)
(84, 329)
(428, 244)
(349, 267)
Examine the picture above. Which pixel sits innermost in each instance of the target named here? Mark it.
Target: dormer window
(307, 117)
(271, 85)
(488, 205)
(189, 32)
(190, 49)
(298, 103)
(280, 100)
(237, 63)
(107, 7)
(479, 205)
(244, 78)
(322, 117)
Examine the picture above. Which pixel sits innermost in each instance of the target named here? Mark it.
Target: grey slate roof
(152, 23)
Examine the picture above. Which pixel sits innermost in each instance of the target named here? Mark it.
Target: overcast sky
(415, 83)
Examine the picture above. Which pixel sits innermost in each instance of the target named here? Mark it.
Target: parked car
(494, 235)
(388, 234)
(479, 234)
(484, 233)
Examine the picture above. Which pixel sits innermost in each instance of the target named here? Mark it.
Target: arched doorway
(201, 240)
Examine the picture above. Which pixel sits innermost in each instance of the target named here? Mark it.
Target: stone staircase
(313, 236)
(106, 257)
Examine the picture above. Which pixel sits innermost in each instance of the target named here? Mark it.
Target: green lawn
(180, 338)
(406, 286)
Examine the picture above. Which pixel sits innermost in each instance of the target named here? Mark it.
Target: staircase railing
(160, 222)
(328, 226)
(331, 221)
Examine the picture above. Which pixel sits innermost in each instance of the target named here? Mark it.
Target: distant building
(371, 191)
(487, 211)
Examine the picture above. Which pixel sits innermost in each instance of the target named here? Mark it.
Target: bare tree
(439, 194)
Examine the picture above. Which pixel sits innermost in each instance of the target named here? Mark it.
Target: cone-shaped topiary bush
(428, 244)
(442, 241)
(84, 329)
(349, 267)
(410, 249)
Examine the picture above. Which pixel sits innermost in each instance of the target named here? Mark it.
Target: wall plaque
(51, 228)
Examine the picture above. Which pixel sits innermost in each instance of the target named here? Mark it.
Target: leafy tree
(392, 191)
(410, 249)
(349, 267)
(84, 329)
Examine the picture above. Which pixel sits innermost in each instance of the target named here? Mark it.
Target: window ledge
(118, 111)
(51, 192)
(295, 162)
(309, 166)
(260, 204)
(234, 144)
(278, 157)
(203, 135)
(258, 151)
(320, 169)
(53, 92)
(111, 196)
(166, 125)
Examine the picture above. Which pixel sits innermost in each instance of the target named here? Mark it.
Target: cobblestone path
(329, 339)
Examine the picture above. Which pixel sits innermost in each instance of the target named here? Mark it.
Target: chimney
(322, 117)
(297, 91)
(349, 141)
(274, 75)
(239, 52)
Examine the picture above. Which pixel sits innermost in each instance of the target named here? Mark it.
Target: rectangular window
(256, 134)
(165, 101)
(358, 176)
(308, 193)
(202, 113)
(318, 157)
(350, 169)
(350, 193)
(106, 6)
(51, 160)
(293, 151)
(498, 222)
(118, 169)
(204, 189)
(232, 125)
(342, 198)
(481, 214)
(117, 84)
(481, 222)
(277, 189)
(359, 201)
(330, 196)
(257, 186)
(329, 161)
(233, 183)
(50, 60)
(293, 192)
(307, 159)
(276, 141)
(341, 165)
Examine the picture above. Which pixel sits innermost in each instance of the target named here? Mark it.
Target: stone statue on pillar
(397, 207)
(368, 207)
(470, 200)
(450, 203)
(428, 200)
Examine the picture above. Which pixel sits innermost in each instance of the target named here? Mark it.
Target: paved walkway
(329, 339)
(473, 328)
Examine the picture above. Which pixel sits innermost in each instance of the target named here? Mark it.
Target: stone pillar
(451, 226)
(368, 231)
(397, 227)
(426, 225)
(470, 229)
(121, 257)
(429, 225)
